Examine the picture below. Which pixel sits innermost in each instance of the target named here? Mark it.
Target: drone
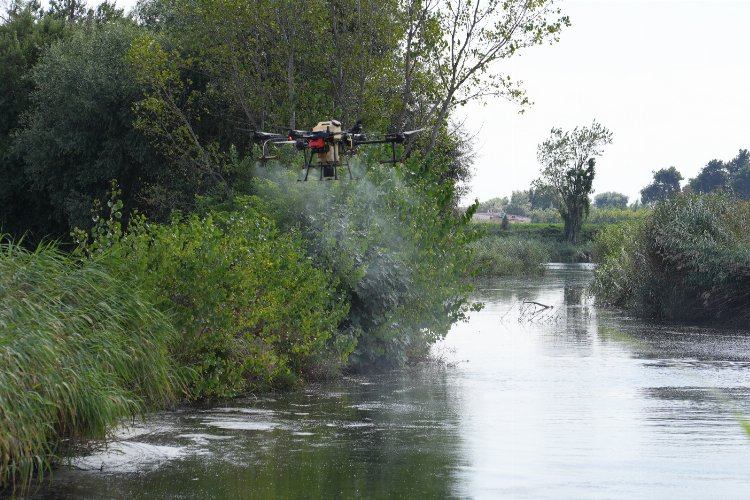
(330, 145)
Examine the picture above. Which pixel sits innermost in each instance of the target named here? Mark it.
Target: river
(572, 401)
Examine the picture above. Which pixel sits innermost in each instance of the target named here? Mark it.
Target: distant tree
(493, 205)
(739, 172)
(519, 203)
(712, 177)
(542, 198)
(611, 199)
(666, 183)
(567, 160)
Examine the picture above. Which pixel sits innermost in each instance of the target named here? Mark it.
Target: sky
(669, 78)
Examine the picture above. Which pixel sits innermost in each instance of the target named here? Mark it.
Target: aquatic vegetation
(397, 251)
(689, 260)
(511, 256)
(81, 349)
(550, 237)
(249, 308)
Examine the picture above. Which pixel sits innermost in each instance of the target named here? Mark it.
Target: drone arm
(273, 141)
(394, 140)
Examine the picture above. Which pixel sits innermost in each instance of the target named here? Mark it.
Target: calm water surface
(567, 402)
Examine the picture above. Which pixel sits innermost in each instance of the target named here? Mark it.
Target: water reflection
(533, 402)
(395, 435)
(586, 403)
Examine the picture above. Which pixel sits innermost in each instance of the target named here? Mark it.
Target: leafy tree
(733, 176)
(712, 177)
(493, 205)
(463, 41)
(739, 171)
(25, 32)
(78, 134)
(519, 203)
(611, 199)
(542, 198)
(666, 183)
(567, 160)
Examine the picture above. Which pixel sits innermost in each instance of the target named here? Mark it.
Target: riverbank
(254, 294)
(689, 261)
(82, 350)
(608, 406)
(524, 249)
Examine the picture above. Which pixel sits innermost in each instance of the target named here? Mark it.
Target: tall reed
(508, 256)
(79, 351)
(689, 260)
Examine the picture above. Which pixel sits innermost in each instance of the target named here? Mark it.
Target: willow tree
(568, 162)
(458, 44)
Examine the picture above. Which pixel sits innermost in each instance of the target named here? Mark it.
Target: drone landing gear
(393, 159)
(328, 171)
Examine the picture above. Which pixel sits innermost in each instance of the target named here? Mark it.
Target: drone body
(330, 146)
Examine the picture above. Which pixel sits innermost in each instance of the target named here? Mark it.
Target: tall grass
(79, 350)
(512, 256)
(689, 260)
(552, 238)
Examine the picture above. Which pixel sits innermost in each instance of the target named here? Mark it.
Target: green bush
(493, 256)
(689, 260)
(551, 237)
(617, 252)
(596, 215)
(81, 349)
(250, 309)
(396, 250)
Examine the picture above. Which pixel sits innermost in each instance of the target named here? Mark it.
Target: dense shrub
(552, 238)
(397, 255)
(250, 309)
(80, 350)
(596, 215)
(493, 256)
(689, 260)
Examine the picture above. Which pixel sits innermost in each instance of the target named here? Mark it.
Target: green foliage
(78, 131)
(568, 161)
(543, 198)
(666, 183)
(81, 349)
(604, 216)
(512, 256)
(396, 248)
(24, 35)
(551, 237)
(519, 203)
(689, 260)
(250, 309)
(739, 174)
(712, 177)
(496, 205)
(547, 216)
(732, 176)
(596, 216)
(617, 252)
(611, 199)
